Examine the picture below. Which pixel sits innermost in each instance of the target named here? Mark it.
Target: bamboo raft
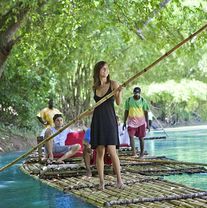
(143, 185)
(155, 137)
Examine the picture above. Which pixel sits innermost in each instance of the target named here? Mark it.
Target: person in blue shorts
(87, 152)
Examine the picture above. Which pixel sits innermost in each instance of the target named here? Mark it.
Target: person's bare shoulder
(48, 132)
(114, 84)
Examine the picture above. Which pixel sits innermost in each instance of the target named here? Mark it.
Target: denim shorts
(61, 149)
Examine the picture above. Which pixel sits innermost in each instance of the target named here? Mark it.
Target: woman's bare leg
(116, 164)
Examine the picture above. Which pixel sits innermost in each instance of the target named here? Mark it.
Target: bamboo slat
(162, 161)
(167, 193)
(142, 200)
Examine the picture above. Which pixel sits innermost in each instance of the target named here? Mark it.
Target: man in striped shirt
(136, 113)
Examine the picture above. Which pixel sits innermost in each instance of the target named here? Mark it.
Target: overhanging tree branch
(10, 23)
(155, 12)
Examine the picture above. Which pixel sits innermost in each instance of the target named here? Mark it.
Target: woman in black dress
(104, 127)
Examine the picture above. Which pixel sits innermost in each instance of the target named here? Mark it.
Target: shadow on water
(20, 190)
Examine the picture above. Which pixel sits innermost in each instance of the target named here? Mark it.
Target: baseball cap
(137, 90)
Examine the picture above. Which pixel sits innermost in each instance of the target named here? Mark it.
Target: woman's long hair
(96, 72)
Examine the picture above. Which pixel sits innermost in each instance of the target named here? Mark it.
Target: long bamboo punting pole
(85, 113)
(160, 124)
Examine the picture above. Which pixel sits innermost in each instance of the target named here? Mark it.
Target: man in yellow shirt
(45, 116)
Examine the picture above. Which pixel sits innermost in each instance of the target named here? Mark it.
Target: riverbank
(12, 139)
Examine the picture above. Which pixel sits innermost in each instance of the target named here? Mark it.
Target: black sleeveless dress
(104, 127)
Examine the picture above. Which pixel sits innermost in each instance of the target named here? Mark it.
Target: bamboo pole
(85, 113)
(162, 128)
(171, 162)
(155, 199)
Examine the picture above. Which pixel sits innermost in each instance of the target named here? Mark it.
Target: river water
(187, 144)
(18, 190)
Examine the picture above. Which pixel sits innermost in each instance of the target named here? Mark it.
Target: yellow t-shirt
(47, 114)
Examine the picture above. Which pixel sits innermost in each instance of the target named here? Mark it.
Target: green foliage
(62, 40)
(183, 99)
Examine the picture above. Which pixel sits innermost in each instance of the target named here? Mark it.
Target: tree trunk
(77, 92)
(10, 23)
(3, 57)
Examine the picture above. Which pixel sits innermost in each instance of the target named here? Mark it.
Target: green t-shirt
(136, 110)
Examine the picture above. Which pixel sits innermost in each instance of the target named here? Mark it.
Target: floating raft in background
(159, 166)
(154, 137)
(143, 186)
(156, 134)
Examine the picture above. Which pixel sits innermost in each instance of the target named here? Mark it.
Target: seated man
(57, 144)
(45, 116)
